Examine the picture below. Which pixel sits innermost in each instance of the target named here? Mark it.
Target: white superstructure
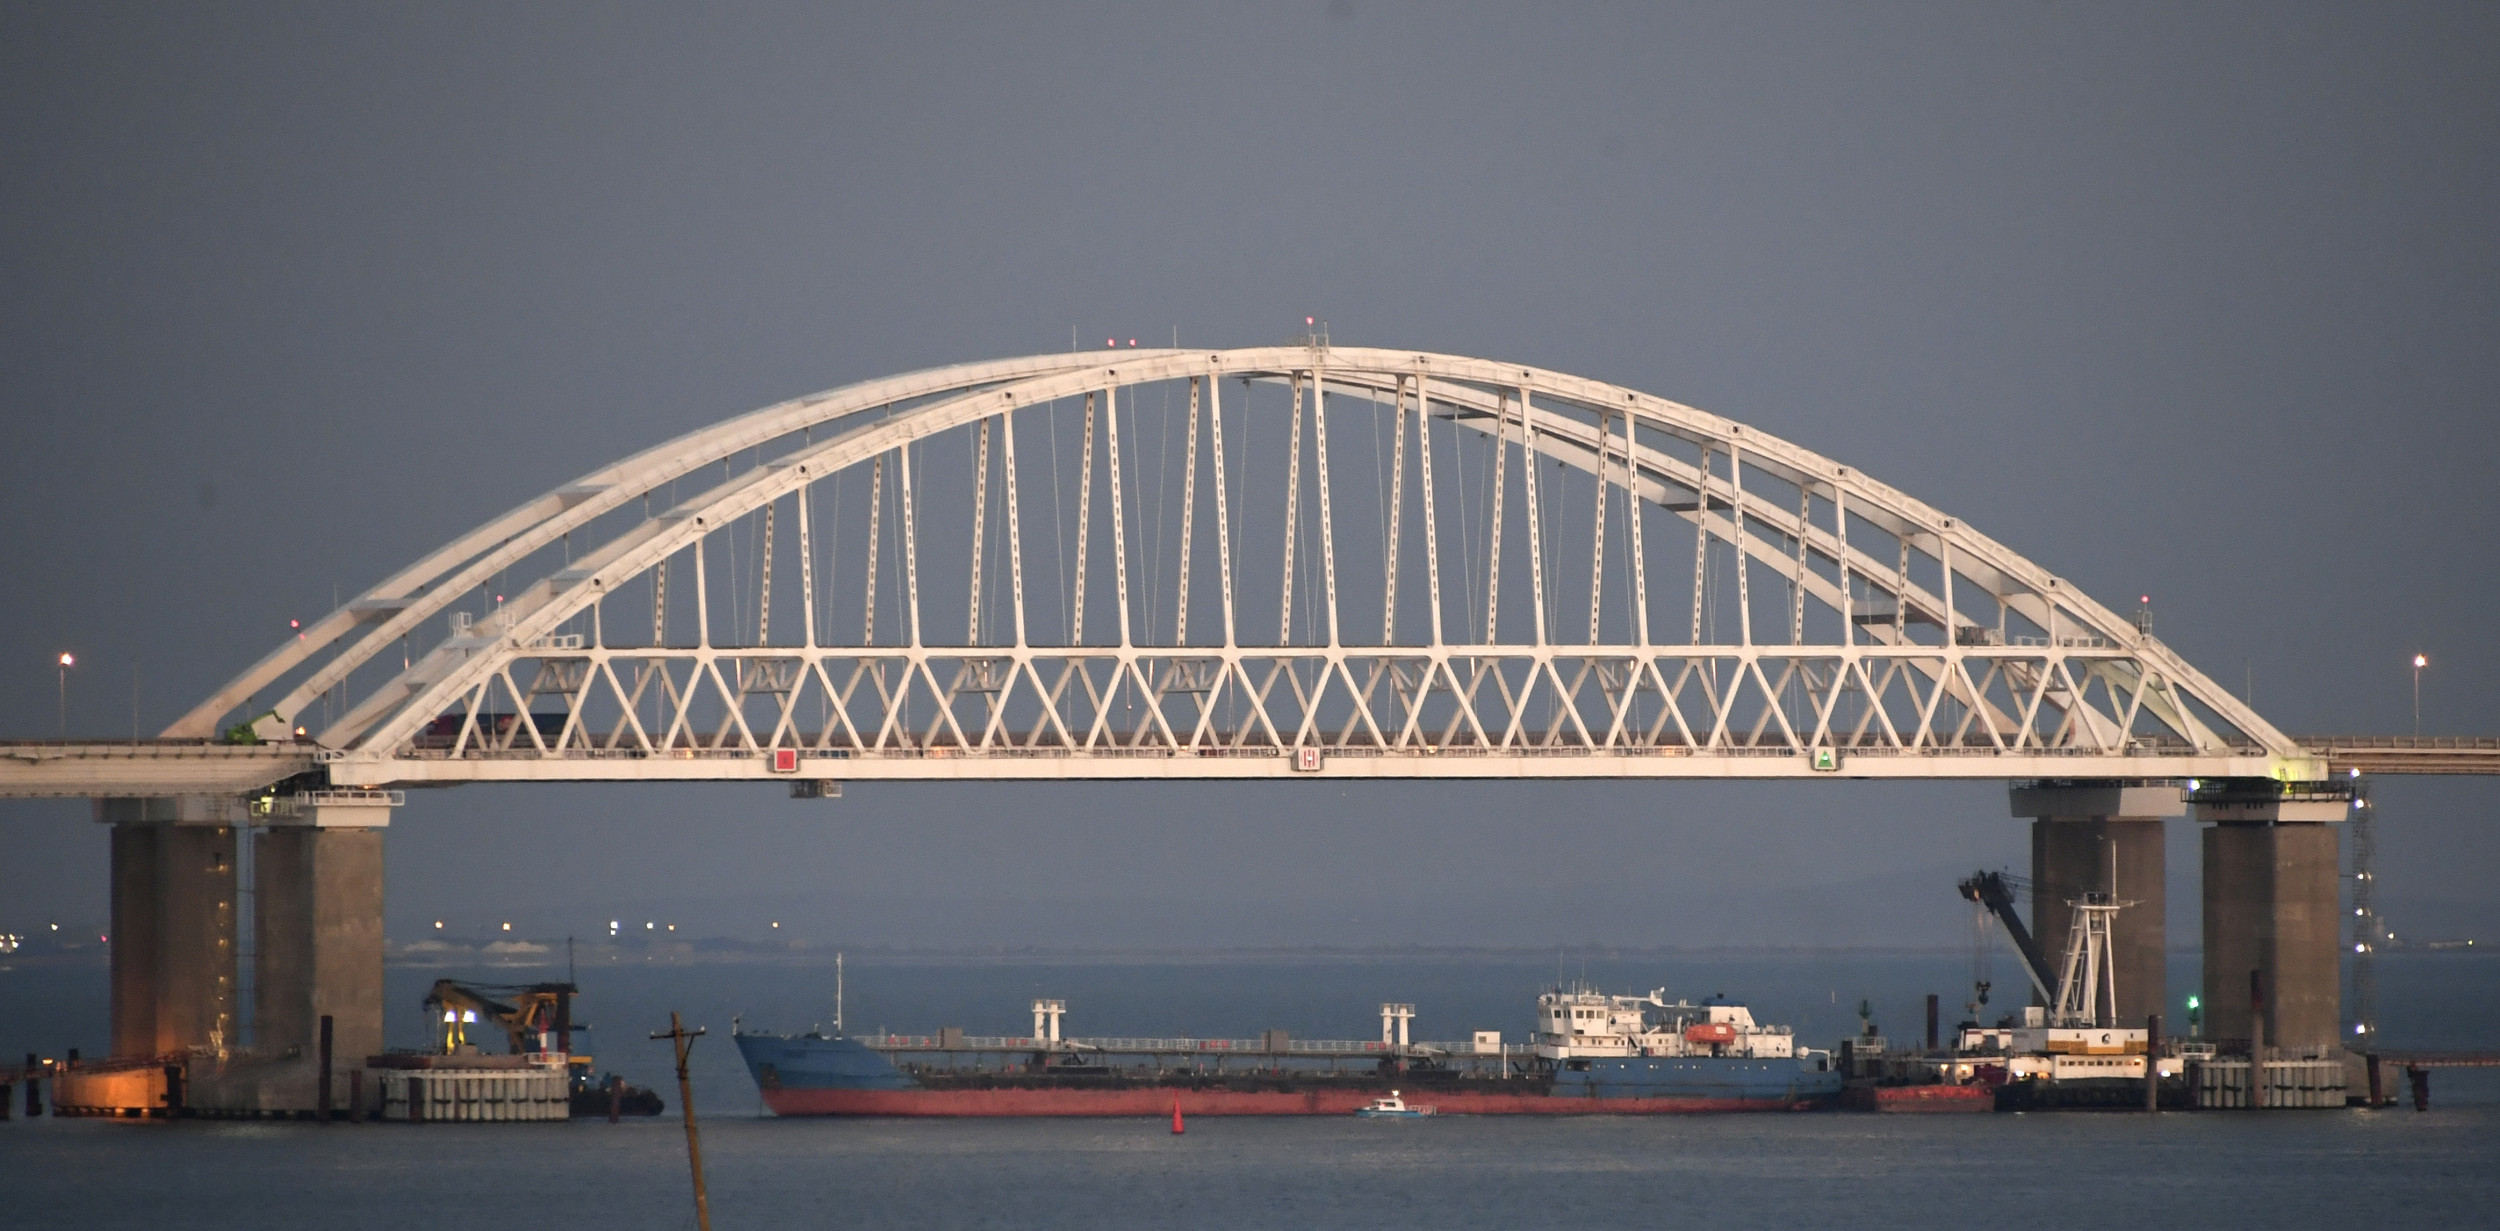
(1579, 1022)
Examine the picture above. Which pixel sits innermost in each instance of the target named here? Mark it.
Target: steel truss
(1835, 624)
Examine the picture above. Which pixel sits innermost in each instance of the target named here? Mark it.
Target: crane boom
(1989, 890)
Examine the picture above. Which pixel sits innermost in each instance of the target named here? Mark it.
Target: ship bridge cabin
(1579, 1022)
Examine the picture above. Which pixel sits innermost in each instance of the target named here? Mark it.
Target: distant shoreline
(721, 951)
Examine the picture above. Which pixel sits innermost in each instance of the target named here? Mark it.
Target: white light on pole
(67, 661)
(2419, 661)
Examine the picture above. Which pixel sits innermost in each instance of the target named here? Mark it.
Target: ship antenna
(837, 993)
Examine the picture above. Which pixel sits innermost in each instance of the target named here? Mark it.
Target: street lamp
(67, 662)
(2418, 664)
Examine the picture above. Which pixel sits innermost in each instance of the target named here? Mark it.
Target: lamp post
(2419, 661)
(67, 662)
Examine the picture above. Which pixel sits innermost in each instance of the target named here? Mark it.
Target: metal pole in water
(681, 1037)
(323, 1094)
(2152, 1062)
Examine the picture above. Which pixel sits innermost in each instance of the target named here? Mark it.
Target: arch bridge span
(1234, 564)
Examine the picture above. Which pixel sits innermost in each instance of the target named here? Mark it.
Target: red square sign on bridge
(785, 760)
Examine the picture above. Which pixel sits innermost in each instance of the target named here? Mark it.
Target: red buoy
(1177, 1127)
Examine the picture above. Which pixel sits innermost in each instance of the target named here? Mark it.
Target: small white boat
(1391, 1107)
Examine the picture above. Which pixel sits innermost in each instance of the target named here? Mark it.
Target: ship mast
(2087, 991)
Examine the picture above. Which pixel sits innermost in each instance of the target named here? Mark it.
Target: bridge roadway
(1682, 596)
(177, 767)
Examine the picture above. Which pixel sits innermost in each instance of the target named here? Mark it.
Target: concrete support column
(173, 924)
(138, 936)
(317, 920)
(2271, 906)
(2093, 837)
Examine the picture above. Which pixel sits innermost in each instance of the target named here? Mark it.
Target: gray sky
(2197, 302)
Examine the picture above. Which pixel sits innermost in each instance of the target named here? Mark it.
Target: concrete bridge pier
(317, 950)
(2103, 837)
(173, 937)
(317, 933)
(2272, 876)
(318, 916)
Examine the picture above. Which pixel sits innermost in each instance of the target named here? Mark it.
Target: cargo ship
(1591, 1054)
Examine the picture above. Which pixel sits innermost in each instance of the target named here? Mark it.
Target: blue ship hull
(813, 1075)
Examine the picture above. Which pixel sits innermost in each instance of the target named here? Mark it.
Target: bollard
(2378, 1091)
(2421, 1079)
(34, 1086)
(2152, 1062)
(322, 1094)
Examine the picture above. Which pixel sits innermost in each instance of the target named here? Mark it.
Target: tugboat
(1391, 1106)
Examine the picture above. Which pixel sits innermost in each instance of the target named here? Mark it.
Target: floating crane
(539, 1019)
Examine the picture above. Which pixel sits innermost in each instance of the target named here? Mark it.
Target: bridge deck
(2407, 754)
(162, 767)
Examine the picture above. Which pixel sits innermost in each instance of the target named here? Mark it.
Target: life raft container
(1710, 1032)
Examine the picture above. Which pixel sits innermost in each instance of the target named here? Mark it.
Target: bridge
(1304, 561)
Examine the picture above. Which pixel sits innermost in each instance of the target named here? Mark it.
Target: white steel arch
(1696, 599)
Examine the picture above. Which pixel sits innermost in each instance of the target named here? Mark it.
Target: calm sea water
(2274, 1170)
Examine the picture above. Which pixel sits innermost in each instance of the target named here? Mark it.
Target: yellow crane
(538, 1017)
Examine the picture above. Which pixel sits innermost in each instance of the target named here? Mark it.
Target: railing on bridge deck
(2407, 754)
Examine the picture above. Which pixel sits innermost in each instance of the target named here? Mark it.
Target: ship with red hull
(1592, 1054)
